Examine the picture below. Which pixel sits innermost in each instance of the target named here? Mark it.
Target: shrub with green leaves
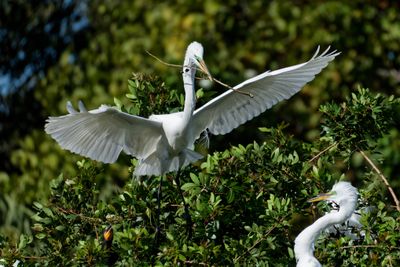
(240, 38)
(247, 203)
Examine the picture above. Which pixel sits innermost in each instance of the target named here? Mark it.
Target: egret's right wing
(101, 134)
(231, 109)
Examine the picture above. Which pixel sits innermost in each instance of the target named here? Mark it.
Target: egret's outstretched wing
(101, 134)
(231, 109)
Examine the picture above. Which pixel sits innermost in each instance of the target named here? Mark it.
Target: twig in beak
(235, 90)
(203, 68)
(163, 62)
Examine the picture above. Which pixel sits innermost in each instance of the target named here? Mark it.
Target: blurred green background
(55, 51)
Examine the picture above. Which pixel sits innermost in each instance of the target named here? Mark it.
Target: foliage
(359, 125)
(245, 204)
(29, 48)
(149, 95)
(27, 51)
(240, 39)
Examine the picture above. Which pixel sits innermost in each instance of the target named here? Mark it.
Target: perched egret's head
(194, 59)
(341, 192)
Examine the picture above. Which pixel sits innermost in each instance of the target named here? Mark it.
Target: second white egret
(344, 195)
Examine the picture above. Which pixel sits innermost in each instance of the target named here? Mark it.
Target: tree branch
(385, 181)
(322, 152)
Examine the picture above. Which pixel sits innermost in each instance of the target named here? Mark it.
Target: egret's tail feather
(186, 157)
(153, 165)
(149, 166)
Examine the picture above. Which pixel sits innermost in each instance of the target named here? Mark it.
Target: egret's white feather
(101, 134)
(81, 106)
(70, 108)
(231, 109)
(164, 143)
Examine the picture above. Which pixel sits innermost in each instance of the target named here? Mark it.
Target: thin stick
(35, 257)
(228, 86)
(235, 90)
(322, 152)
(366, 246)
(385, 181)
(210, 78)
(196, 263)
(86, 218)
(163, 62)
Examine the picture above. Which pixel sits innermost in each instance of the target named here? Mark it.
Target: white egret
(164, 143)
(345, 196)
(351, 227)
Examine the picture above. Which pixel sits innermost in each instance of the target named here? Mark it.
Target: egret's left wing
(231, 109)
(101, 134)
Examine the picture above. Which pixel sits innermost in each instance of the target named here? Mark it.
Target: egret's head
(194, 59)
(341, 192)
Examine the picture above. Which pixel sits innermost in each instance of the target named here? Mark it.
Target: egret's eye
(187, 70)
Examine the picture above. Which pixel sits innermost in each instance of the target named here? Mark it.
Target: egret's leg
(159, 195)
(187, 214)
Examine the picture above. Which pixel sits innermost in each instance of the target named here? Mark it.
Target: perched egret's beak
(203, 67)
(320, 197)
(108, 236)
(108, 233)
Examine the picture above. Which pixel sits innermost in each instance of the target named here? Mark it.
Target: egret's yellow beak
(320, 197)
(108, 234)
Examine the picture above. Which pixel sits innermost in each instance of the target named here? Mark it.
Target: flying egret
(164, 143)
(343, 194)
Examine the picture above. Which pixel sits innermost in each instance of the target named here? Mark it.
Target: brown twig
(91, 219)
(322, 152)
(385, 181)
(233, 89)
(163, 62)
(195, 263)
(35, 257)
(204, 72)
(368, 246)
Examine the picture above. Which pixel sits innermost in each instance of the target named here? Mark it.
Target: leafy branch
(357, 124)
(385, 181)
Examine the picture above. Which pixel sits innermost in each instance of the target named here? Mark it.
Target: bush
(247, 203)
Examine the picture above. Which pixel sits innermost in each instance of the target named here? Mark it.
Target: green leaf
(38, 205)
(24, 240)
(40, 235)
(188, 186)
(194, 179)
(170, 236)
(131, 96)
(264, 129)
(48, 212)
(118, 103)
(60, 228)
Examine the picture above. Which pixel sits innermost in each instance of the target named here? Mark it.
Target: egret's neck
(304, 243)
(190, 97)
